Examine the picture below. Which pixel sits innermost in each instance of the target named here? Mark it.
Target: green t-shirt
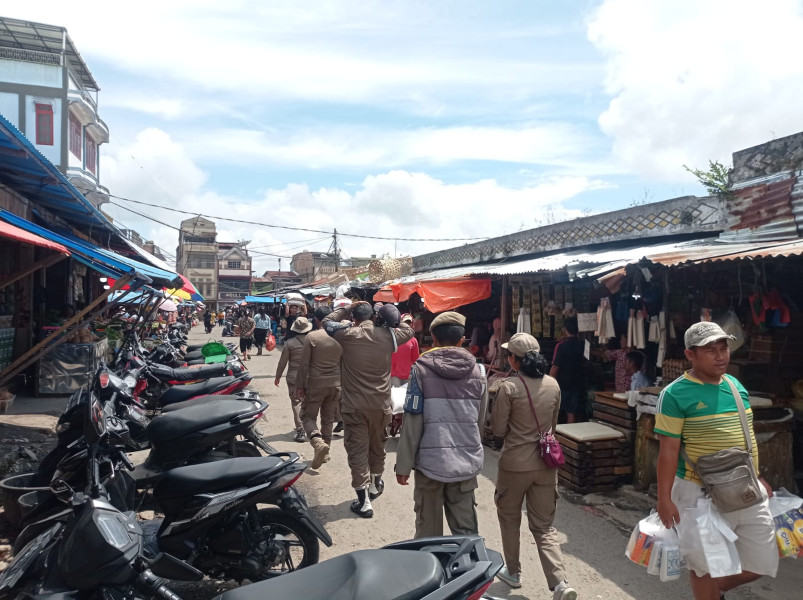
(705, 417)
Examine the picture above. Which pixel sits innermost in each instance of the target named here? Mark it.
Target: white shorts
(756, 545)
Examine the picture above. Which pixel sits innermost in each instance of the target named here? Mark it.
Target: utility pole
(336, 251)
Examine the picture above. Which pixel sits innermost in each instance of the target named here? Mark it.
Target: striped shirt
(705, 417)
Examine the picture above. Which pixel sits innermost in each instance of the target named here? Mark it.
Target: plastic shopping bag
(270, 343)
(707, 541)
(666, 561)
(787, 515)
(639, 547)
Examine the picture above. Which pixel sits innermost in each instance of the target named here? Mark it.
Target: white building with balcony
(49, 94)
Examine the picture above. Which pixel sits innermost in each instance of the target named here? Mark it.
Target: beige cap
(448, 318)
(301, 325)
(521, 343)
(703, 333)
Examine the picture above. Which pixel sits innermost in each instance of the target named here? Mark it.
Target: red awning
(441, 295)
(15, 233)
(385, 294)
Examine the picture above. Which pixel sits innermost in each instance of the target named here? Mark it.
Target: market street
(593, 545)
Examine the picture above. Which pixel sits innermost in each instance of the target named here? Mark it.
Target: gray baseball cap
(703, 333)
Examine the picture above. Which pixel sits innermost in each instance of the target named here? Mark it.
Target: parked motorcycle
(211, 520)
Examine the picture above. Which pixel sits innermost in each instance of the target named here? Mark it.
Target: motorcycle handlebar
(125, 460)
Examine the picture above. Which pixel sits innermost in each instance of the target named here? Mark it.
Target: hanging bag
(270, 343)
(729, 476)
(551, 452)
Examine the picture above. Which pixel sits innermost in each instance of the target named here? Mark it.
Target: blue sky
(421, 118)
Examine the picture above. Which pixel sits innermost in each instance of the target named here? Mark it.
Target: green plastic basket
(215, 352)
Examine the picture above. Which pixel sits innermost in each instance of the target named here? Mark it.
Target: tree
(715, 179)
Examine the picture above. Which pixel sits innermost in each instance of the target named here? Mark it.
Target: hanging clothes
(523, 323)
(605, 329)
(641, 341)
(662, 339)
(655, 330)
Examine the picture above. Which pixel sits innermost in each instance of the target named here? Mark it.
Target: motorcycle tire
(273, 521)
(244, 449)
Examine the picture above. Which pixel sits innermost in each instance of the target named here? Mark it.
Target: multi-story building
(312, 266)
(234, 272)
(49, 94)
(197, 256)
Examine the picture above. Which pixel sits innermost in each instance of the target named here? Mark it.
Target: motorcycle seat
(194, 347)
(172, 425)
(214, 476)
(184, 374)
(193, 355)
(200, 400)
(179, 393)
(375, 574)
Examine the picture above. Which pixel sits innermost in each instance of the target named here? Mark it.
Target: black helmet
(390, 315)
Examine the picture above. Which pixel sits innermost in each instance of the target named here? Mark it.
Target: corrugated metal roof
(793, 248)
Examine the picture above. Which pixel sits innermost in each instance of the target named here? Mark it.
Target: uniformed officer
(447, 398)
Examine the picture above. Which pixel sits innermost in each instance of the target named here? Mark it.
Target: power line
(252, 223)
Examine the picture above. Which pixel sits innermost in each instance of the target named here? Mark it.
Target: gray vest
(451, 446)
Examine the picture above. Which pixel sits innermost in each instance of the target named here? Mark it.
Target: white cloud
(395, 203)
(694, 80)
(556, 144)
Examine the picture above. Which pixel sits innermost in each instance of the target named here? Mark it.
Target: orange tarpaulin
(385, 294)
(440, 295)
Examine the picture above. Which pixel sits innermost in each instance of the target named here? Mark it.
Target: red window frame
(44, 124)
(76, 143)
(91, 155)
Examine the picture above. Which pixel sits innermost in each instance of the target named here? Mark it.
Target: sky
(422, 119)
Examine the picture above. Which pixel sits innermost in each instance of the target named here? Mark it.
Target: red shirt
(402, 360)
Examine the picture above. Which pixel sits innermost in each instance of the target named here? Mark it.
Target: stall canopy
(440, 295)
(263, 300)
(20, 235)
(104, 261)
(384, 294)
(27, 171)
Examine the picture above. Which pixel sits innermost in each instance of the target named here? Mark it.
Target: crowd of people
(342, 364)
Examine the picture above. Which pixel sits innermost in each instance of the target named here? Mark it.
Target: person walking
(699, 414)
(403, 359)
(444, 413)
(522, 403)
(221, 316)
(208, 321)
(246, 325)
(261, 329)
(365, 405)
(318, 387)
(291, 358)
(568, 367)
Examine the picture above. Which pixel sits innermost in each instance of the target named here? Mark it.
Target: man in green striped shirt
(698, 412)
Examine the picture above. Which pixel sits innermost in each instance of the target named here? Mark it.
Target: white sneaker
(513, 580)
(563, 591)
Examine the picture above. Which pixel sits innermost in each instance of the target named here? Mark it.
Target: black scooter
(211, 521)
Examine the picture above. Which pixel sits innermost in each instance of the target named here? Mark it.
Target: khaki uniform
(319, 374)
(523, 474)
(365, 404)
(291, 358)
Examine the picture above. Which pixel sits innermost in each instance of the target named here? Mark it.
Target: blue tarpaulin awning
(263, 300)
(104, 261)
(28, 172)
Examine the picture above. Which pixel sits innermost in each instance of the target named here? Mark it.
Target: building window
(44, 124)
(234, 264)
(91, 155)
(75, 137)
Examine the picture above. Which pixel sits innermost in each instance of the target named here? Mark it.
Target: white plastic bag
(783, 501)
(397, 398)
(640, 546)
(716, 540)
(666, 560)
(730, 324)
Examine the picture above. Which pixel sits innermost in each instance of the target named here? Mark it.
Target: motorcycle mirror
(169, 567)
(61, 490)
(95, 427)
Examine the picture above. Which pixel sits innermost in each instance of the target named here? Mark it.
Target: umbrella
(178, 293)
(187, 288)
(168, 306)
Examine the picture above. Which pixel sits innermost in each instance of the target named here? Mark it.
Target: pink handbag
(551, 452)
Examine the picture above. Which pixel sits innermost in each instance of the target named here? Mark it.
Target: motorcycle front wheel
(290, 544)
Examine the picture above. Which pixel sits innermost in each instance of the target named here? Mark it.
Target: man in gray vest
(447, 398)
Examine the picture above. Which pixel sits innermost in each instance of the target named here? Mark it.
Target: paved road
(593, 544)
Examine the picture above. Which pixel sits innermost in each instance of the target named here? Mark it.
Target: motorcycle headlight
(113, 531)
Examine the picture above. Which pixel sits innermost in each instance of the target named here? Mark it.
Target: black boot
(376, 487)
(362, 506)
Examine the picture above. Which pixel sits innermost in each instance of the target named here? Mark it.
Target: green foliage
(715, 179)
